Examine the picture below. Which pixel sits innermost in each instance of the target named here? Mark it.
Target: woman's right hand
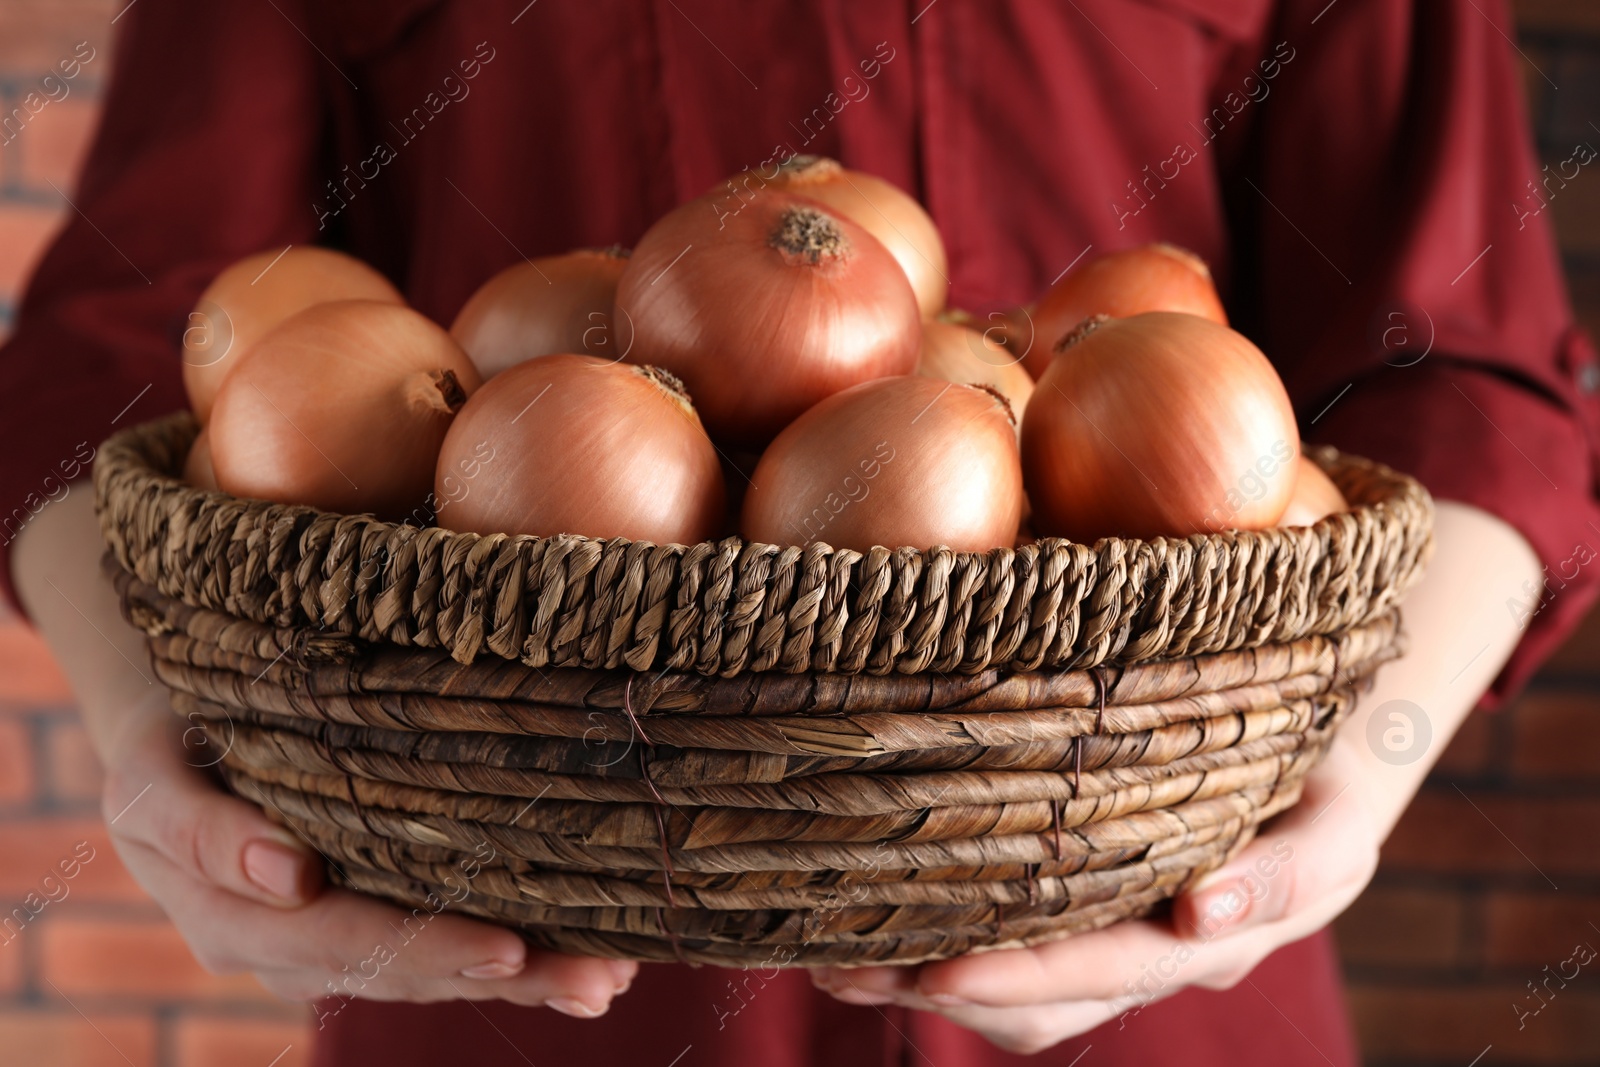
(246, 892)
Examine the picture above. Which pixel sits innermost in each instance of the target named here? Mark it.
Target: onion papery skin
(909, 461)
(544, 306)
(1315, 497)
(955, 350)
(1157, 277)
(760, 333)
(571, 444)
(880, 207)
(1162, 424)
(249, 299)
(343, 407)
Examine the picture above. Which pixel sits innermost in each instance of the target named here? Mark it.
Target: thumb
(154, 798)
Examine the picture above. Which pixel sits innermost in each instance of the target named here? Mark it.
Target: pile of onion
(766, 312)
(543, 306)
(900, 461)
(250, 298)
(879, 207)
(1158, 277)
(1161, 424)
(342, 407)
(574, 444)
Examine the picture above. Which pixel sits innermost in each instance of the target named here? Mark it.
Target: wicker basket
(746, 755)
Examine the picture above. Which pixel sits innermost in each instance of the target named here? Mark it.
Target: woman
(1357, 173)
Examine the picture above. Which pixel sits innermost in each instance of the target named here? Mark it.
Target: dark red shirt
(1357, 172)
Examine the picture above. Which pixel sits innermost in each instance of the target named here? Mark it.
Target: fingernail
(947, 1000)
(273, 869)
(850, 995)
(575, 1008)
(492, 969)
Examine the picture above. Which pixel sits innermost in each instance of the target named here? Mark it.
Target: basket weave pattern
(748, 755)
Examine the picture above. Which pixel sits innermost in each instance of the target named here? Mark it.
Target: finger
(1319, 854)
(345, 939)
(1033, 1029)
(1101, 965)
(866, 985)
(152, 797)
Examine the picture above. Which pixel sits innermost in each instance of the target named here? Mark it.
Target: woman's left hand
(1303, 869)
(1305, 866)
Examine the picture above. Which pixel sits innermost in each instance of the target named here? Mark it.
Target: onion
(247, 300)
(574, 444)
(955, 351)
(343, 407)
(902, 461)
(881, 208)
(197, 470)
(766, 312)
(1159, 424)
(543, 306)
(1315, 497)
(1159, 277)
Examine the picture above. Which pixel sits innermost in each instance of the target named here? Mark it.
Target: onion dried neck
(808, 234)
(1082, 330)
(670, 384)
(438, 390)
(999, 398)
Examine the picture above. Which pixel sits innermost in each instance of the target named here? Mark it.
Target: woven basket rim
(729, 607)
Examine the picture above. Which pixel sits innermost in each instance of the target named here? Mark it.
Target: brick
(1472, 751)
(33, 848)
(36, 34)
(60, 1037)
(133, 958)
(204, 1041)
(1454, 1025)
(1402, 927)
(17, 777)
(11, 968)
(72, 774)
(54, 144)
(1555, 16)
(25, 231)
(1532, 929)
(1581, 652)
(1556, 735)
(1505, 834)
(1577, 207)
(29, 676)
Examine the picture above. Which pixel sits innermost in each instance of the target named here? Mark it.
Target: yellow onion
(249, 299)
(900, 461)
(543, 306)
(574, 444)
(1315, 497)
(1158, 424)
(1158, 277)
(956, 349)
(342, 407)
(764, 313)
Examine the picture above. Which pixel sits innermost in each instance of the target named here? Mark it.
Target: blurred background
(1486, 887)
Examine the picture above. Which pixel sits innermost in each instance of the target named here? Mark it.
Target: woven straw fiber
(753, 756)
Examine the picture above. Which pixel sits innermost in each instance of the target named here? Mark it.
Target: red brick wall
(1492, 876)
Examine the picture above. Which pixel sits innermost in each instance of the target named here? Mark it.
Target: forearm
(56, 564)
(1460, 633)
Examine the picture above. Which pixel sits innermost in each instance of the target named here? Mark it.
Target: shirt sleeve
(1397, 261)
(205, 153)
